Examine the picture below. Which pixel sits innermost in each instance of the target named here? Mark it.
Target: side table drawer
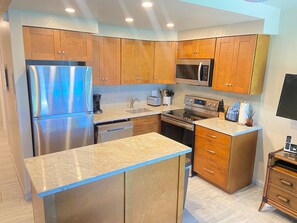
(282, 196)
(283, 178)
(213, 135)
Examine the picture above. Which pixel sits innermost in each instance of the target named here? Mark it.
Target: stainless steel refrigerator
(61, 107)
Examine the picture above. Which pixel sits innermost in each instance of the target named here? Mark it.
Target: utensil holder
(167, 100)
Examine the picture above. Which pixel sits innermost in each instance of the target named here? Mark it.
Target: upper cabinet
(106, 61)
(240, 63)
(137, 61)
(164, 66)
(51, 44)
(203, 48)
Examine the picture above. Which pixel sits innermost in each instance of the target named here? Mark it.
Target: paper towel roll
(243, 112)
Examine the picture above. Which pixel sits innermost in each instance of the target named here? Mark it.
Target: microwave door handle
(199, 71)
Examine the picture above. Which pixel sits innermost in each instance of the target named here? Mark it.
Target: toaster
(153, 101)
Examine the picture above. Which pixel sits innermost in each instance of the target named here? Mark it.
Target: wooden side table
(280, 189)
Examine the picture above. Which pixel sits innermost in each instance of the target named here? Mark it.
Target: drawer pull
(210, 171)
(212, 136)
(210, 151)
(286, 182)
(282, 198)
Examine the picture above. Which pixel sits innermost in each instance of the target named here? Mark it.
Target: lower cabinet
(223, 160)
(146, 124)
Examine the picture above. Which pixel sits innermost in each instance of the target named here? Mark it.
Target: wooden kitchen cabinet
(202, 48)
(51, 44)
(240, 63)
(106, 61)
(146, 124)
(164, 65)
(280, 189)
(223, 160)
(137, 64)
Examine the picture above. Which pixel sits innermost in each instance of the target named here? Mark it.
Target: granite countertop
(226, 127)
(117, 112)
(60, 171)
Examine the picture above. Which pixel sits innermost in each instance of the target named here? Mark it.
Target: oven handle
(177, 123)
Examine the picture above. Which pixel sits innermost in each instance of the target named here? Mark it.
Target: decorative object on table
(243, 112)
(249, 120)
(221, 110)
(233, 112)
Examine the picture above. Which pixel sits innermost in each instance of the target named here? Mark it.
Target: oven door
(194, 71)
(181, 132)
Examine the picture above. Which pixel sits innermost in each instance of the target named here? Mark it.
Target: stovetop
(184, 115)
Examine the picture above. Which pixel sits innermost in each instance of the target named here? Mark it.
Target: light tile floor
(205, 203)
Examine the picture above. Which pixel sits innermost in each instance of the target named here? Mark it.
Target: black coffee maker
(96, 103)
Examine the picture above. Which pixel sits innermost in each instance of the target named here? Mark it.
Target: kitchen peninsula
(136, 179)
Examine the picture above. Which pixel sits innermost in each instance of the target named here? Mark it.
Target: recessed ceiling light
(147, 4)
(170, 25)
(129, 19)
(70, 10)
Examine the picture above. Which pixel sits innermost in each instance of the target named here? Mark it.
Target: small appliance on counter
(153, 100)
(96, 104)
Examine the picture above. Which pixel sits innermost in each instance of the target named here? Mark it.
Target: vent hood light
(70, 10)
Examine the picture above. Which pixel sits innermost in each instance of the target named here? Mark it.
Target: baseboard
(259, 183)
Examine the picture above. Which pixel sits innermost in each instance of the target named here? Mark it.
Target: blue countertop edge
(109, 174)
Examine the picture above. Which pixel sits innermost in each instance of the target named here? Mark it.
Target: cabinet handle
(282, 198)
(210, 151)
(210, 171)
(286, 182)
(212, 136)
(155, 77)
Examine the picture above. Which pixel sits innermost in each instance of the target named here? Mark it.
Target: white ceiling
(185, 16)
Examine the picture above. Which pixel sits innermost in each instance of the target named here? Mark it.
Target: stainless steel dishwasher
(113, 130)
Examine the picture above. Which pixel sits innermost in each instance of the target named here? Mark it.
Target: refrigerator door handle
(37, 146)
(38, 100)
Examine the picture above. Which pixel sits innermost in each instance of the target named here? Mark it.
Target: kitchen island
(136, 179)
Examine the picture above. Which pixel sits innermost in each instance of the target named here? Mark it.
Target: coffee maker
(96, 103)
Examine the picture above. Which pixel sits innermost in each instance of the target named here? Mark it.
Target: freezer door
(56, 90)
(62, 133)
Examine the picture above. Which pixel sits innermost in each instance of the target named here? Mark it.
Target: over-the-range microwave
(194, 71)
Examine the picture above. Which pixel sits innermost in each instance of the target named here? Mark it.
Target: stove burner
(184, 114)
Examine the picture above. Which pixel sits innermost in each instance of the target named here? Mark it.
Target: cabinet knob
(227, 84)
(59, 52)
(155, 77)
(230, 85)
(63, 52)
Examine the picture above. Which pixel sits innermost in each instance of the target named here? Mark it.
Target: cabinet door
(223, 64)
(128, 65)
(205, 48)
(164, 68)
(95, 62)
(145, 62)
(41, 44)
(76, 46)
(110, 60)
(186, 49)
(242, 63)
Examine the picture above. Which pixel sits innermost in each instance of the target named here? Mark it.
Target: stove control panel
(204, 103)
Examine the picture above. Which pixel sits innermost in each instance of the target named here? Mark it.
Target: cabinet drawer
(210, 171)
(283, 178)
(282, 196)
(146, 120)
(212, 151)
(213, 135)
(143, 129)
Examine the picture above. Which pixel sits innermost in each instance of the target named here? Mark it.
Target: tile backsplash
(120, 94)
